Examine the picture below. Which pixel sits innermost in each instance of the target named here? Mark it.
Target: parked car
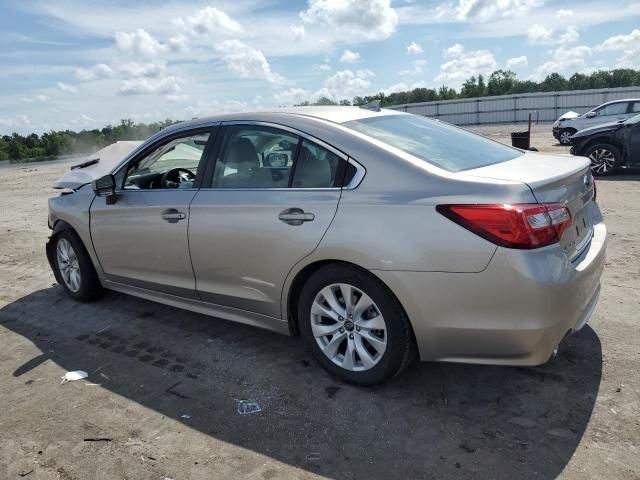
(376, 235)
(609, 146)
(571, 122)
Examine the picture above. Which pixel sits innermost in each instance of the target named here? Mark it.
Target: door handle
(295, 216)
(172, 215)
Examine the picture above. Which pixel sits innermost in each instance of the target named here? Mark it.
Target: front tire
(565, 136)
(604, 158)
(354, 326)
(75, 271)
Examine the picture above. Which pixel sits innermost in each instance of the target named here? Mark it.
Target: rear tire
(605, 159)
(75, 269)
(354, 326)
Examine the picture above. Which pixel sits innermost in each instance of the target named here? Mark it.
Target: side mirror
(105, 187)
(591, 114)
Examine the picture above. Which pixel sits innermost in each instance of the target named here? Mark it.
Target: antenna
(373, 106)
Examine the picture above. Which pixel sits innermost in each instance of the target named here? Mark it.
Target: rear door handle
(172, 215)
(295, 216)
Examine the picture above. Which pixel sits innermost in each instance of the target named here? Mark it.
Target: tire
(563, 138)
(605, 158)
(75, 270)
(379, 340)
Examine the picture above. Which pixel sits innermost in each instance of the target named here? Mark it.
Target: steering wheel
(174, 177)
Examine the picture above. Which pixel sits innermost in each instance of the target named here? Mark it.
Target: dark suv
(610, 145)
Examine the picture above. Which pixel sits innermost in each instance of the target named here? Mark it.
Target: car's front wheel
(565, 136)
(75, 270)
(604, 158)
(354, 325)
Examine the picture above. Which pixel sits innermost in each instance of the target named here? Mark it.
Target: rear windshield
(438, 143)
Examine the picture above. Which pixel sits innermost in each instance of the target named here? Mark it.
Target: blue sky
(83, 63)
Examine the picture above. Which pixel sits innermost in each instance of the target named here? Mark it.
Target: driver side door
(141, 239)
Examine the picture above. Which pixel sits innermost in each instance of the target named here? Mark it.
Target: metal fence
(547, 106)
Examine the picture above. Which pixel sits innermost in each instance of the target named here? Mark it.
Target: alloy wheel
(565, 137)
(348, 327)
(602, 160)
(68, 265)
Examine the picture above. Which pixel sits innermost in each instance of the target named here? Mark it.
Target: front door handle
(172, 215)
(295, 216)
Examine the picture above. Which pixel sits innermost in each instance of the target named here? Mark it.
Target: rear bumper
(515, 312)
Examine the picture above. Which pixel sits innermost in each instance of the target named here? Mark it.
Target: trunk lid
(562, 179)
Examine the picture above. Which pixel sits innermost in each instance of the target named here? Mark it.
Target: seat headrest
(311, 172)
(242, 155)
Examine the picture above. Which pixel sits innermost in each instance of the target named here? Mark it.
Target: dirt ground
(161, 400)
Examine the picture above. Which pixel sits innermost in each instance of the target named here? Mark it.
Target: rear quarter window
(437, 143)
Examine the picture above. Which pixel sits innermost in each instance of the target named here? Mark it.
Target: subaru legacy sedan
(375, 235)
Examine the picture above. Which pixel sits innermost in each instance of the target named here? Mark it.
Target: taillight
(512, 226)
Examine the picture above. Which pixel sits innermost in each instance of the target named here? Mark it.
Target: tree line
(52, 144)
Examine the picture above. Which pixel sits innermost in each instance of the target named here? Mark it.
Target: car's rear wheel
(354, 325)
(565, 136)
(604, 158)
(76, 273)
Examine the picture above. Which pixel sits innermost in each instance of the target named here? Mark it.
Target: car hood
(569, 114)
(108, 158)
(605, 127)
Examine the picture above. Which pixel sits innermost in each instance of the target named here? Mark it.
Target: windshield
(633, 120)
(438, 143)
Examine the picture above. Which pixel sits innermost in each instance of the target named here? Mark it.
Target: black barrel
(521, 140)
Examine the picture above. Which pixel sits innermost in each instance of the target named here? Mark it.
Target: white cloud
(564, 60)
(521, 61)
(417, 68)
(414, 48)
(177, 98)
(565, 13)
(209, 20)
(247, 62)
(467, 11)
(35, 98)
(349, 57)
(345, 84)
(65, 87)
(19, 121)
(140, 43)
(298, 31)
(628, 44)
(541, 35)
(463, 64)
(292, 96)
(95, 72)
(146, 86)
(403, 87)
(137, 69)
(324, 67)
(371, 20)
(178, 43)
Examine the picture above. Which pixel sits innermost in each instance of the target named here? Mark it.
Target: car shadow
(434, 420)
(622, 175)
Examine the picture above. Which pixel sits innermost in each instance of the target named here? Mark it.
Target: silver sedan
(375, 235)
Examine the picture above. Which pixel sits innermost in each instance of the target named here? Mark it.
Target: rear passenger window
(317, 167)
(266, 157)
(256, 157)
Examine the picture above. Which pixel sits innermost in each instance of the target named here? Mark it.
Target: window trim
(212, 130)
(222, 136)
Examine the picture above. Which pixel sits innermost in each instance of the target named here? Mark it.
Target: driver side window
(169, 166)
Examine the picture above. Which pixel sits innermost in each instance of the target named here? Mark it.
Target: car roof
(621, 100)
(335, 114)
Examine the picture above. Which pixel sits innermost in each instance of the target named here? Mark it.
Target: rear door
(270, 197)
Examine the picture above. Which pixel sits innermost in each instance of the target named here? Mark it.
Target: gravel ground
(162, 395)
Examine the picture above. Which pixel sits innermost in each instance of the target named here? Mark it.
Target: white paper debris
(73, 376)
(246, 407)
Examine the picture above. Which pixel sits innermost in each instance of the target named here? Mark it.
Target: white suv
(570, 122)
